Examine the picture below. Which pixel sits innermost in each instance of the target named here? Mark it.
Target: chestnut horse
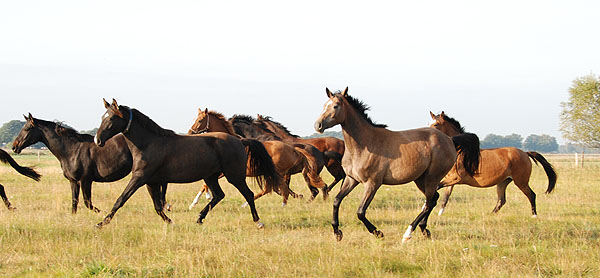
(288, 159)
(160, 156)
(375, 155)
(81, 161)
(25, 171)
(324, 144)
(498, 166)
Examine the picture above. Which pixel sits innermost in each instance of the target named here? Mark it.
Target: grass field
(42, 238)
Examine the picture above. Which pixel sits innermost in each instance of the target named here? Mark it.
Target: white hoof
(534, 216)
(191, 207)
(283, 204)
(441, 212)
(245, 204)
(407, 235)
(405, 239)
(260, 225)
(208, 196)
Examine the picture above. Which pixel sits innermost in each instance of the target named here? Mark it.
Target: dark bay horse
(288, 159)
(25, 171)
(498, 166)
(324, 144)
(247, 127)
(82, 162)
(160, 156)
(375, 155)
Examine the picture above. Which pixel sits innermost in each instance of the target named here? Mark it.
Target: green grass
(42, 238)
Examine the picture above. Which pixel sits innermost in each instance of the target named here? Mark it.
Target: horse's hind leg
(429, 189)
(156, 193)
(218, 195)
(524, 186)
(74, 196)
(86, 188)
(347, 187)
(445, 198)
(5, 199)
(163, 197)
(240, 184)
(501, 190)
(362, 209)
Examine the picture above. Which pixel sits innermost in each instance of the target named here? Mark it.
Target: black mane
(455, 123)
(361, 108)
(241, 118)
(67, 132)
(278, 124)
(148, 123)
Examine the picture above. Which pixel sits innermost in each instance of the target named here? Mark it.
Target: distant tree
(513, 140)
(336, 134)
(498, 141)
(10, 130)
(580, 117)
(91, 131)
(540, 143)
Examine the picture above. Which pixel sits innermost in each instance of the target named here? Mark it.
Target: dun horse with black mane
(498, 167)
(375, 155)
(160, 156)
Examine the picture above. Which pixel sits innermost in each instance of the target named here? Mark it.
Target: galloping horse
(288, 159)
(375, 156)
(160, 156)
(324, 144)
(498, 166)
(25, 171)
(82, 162)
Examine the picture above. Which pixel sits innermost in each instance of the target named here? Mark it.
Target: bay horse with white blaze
(25, 171)
(498, 166)
(160, 156)
(375, 155)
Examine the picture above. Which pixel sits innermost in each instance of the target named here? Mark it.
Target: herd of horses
(129, 142)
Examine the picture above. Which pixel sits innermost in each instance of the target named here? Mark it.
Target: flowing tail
(310, 168)
(467, 144)
(25, 171)
(536, 157)
(261, 165)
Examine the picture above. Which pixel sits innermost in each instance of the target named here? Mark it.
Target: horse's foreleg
(74, 196)
(347, 187)
(163, 197)
(86, 188)
(131, 187)
(371, 189)
(5, 199)
(218, 195)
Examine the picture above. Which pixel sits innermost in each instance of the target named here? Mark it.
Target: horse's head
(29, 135)
(334, 111)
(444, 124)
(116, 119)
(201, 123)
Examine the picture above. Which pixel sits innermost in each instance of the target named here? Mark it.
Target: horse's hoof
(208, 196)
(283, 204)
(378, 234)
(260, 225)
(168, 207)
(191, 206)
(245, 204)
(338, 235)
(199, 222)
(169, 221)
(534, 216)
(11, 208)
(300, 196)
(441, 212)
(96, 210)
(99, 225)
(427, 233)
(406, 239)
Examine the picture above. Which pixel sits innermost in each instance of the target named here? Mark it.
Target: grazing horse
(324, 144)
(25, 171)
(498, 166)
(247, 127)
(82, 162)
(160, 156)
(375, 155)
(288, 159)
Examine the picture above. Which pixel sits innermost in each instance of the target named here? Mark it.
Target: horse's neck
(357, 131)
(221, 126)
(57, 145)
(138, 137)
(452, 131)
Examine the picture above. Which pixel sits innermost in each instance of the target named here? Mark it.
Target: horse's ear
(115, 104)
(206, 110)
(432, 115)
(345, 92)
(442, 114)
(329, 94)
(106, 105)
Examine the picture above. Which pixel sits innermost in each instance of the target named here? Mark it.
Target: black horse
(25, 171)
(81, 160)
(160, 156)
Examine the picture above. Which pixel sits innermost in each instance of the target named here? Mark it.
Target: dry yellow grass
(42, 238)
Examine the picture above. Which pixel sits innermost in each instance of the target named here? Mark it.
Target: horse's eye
(336, 106)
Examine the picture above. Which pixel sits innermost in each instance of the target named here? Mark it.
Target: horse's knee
(362, 215)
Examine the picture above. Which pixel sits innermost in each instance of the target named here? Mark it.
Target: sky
(496, 66)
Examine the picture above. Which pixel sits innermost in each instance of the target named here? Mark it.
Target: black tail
(467, 144)
(261, 165)
(333, 155)
(25, 171)
(536, 157)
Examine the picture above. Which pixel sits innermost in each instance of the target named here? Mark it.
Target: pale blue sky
(498, 67)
